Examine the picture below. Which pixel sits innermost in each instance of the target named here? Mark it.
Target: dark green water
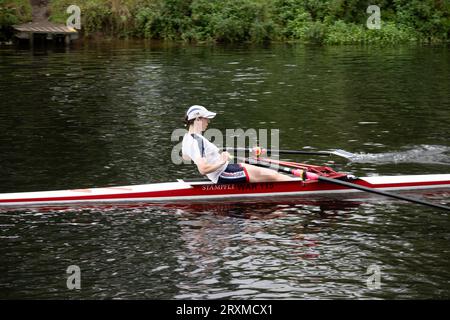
(103, 114)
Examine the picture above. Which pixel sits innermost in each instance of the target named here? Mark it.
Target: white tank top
(196, 146)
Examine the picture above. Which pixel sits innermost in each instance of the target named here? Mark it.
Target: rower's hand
(225, 156)
(258, 151)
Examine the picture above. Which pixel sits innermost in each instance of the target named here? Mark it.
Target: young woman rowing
(211, 162)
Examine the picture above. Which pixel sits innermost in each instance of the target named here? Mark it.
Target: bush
(12, 12)
(319, 21)
(113, 17)
(232, 21)
(146, 21)
(344, 33)
(430, 18)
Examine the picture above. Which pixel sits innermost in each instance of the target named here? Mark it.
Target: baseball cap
(197, 111)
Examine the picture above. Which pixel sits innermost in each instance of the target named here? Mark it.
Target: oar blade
(343, 154)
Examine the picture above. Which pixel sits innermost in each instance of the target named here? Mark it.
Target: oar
(337, 152)
(353, 186)
(383, 193)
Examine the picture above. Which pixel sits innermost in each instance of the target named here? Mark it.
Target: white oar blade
(343, 153)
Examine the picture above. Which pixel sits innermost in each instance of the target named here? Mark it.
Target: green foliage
(349, 33)
(293, 18)
(232, 21)
(147, 20)
(108, 17)
(349, 11)
(318, 21)
(95, 15)
(316, 32)
(431, 18)
(13, 12)
(161, 19)
(57, 10)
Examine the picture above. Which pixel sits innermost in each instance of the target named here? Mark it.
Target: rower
(215, 165)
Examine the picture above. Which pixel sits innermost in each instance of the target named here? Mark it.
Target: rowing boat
(203, 190)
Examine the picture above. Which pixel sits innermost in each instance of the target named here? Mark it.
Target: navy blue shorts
(234, 173)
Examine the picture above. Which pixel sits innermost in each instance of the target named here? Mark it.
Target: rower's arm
(205, 168)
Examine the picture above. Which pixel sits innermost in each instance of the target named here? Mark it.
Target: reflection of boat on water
(252, 209)
(262, 209)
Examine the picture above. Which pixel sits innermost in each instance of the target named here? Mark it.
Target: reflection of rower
(211, 162)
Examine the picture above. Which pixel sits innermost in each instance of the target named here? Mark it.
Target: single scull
(204, 190)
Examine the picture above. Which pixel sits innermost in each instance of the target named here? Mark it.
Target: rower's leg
(258, 174)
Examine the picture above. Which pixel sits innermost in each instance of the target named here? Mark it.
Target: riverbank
(255, 21)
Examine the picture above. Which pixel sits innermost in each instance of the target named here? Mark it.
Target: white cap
(197, 111)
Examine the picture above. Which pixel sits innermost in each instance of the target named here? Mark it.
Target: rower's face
(205, 123)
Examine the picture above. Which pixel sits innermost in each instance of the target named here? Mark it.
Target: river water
(102, 114)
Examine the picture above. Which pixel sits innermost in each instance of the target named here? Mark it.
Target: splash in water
(429, 154)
